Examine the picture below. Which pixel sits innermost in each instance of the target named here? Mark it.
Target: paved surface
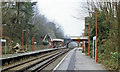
(81, 62)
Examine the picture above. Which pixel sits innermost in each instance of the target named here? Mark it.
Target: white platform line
(60, 62)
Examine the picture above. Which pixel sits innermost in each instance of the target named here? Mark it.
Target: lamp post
(33, 39)
(35, 35)
(62, 43)
(88, 39)
(96, 35)
(2, 37)
(23, 38)
(83, 40)
(96, 38)
(42, 42)
(32, 44)
(49, 43)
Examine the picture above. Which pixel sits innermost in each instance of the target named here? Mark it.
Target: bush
(110, 55)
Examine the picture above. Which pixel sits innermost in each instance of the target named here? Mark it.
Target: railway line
(37, 63)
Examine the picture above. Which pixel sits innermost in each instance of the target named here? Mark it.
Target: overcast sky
(63, 12)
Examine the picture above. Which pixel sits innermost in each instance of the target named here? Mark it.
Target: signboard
(78, 38)
(94, 38)
(3, 40)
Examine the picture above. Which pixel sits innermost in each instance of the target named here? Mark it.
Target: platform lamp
(35, 35)
(2, 37)
(96, 36)
(23, 38)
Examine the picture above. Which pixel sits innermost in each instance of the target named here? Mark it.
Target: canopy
(57, 40)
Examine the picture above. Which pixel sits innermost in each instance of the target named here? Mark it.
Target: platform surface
(83, 62)
(76, 60)
(6, 56)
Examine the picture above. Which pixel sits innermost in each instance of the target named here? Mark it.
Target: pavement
(76, 60)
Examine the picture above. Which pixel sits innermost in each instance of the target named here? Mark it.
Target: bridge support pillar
(83, 45)
(78, 44)
(67, 45)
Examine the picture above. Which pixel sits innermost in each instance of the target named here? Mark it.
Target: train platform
(7, 56)
(76, 60)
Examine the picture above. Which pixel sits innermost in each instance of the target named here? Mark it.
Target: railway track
(36, 64)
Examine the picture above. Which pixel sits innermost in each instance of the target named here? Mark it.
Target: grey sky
(63, 12)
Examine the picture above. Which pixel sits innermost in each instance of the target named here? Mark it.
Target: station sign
(94, 38)
(78, 38)
(3, 40)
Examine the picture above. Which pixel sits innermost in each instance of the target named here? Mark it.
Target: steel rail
(6, 69)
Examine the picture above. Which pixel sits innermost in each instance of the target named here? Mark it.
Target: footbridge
(78, 39)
